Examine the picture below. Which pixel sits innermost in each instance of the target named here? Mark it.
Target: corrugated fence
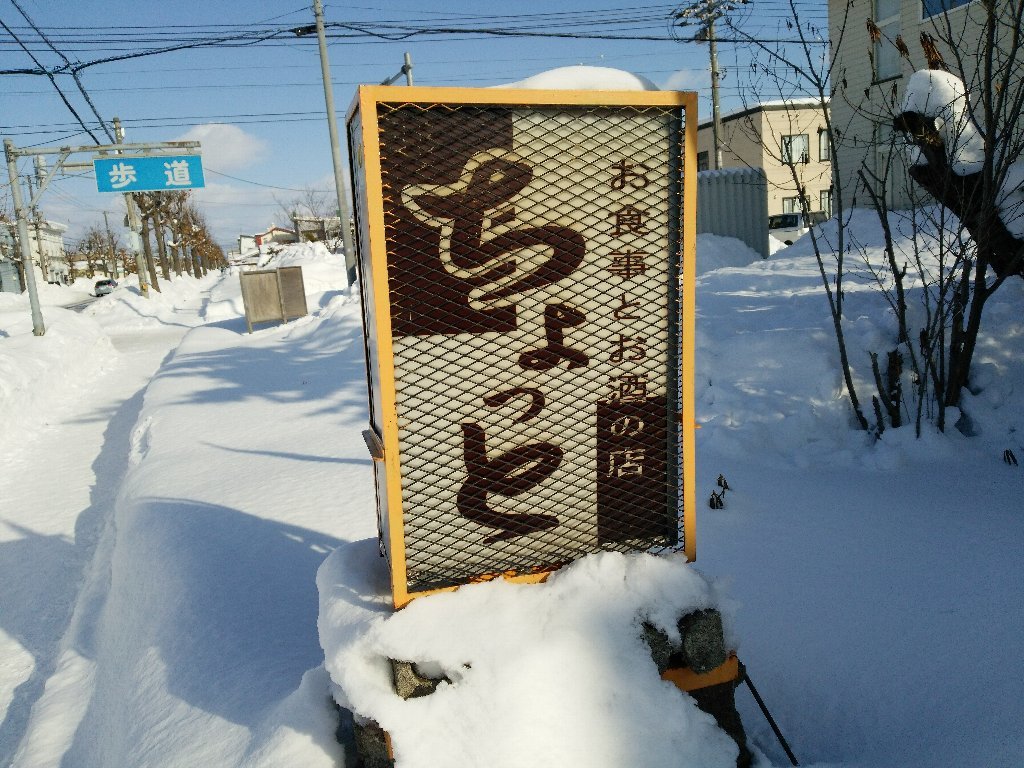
(733, 202)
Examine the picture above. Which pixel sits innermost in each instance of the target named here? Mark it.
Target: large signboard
(161, 173)
(526, 269)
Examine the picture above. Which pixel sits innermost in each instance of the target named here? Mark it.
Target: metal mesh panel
(533, 269)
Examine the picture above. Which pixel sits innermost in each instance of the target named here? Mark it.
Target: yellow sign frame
(365, 105)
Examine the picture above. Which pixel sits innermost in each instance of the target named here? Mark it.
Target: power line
(574, 25)
(78, 81)
(52, 80)
(250, 181)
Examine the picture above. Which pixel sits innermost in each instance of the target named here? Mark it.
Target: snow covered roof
(769, 106)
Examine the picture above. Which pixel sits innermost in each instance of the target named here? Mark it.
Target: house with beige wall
(767, 136)
(870, 76)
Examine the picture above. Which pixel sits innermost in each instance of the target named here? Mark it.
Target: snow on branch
(947, 159)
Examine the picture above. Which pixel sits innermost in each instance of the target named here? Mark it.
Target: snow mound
(716, 252)
(561, 665)
(42, 375)
(322, 271)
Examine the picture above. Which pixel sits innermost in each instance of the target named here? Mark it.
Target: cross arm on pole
(106, 148)
(44, 182)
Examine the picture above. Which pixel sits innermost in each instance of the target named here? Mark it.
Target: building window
(702, 161)
(795, 148)
(887, 58)
(825, 201)
(791, 205)
(824, 151)
(931, 8)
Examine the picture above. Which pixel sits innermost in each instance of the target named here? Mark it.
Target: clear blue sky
(270, 93)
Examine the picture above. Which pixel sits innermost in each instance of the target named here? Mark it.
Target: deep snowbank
(40, 375)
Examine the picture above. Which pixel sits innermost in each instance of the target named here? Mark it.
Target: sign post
(119, 168)
(528, 319)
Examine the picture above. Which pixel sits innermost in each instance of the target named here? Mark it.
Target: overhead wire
(53, 80)
(613, 24)
(250, 181)
(571, 25)
(67, 62)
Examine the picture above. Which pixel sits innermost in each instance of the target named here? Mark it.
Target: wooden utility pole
(705, 13)
(110, 246)
(716, 118)
(134, 224)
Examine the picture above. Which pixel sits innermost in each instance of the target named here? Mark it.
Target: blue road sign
(119, 173)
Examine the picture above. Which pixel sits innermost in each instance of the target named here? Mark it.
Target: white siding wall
(863, 106)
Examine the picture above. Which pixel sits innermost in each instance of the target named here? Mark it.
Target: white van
(789, 227)
(786, 227)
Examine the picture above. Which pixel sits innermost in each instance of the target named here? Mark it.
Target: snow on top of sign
(582, 78)
(942, 96)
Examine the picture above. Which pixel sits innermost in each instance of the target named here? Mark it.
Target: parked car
(789, 227)
(103, 287)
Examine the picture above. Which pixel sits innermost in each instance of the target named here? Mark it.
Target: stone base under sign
(702, 651)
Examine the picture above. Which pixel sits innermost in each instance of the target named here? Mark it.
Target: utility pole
(706, 13)
(39, 170)
(110, 245)
(34, 213)
(134, 224)
(332, 126)
(716, 118)
(21, 215)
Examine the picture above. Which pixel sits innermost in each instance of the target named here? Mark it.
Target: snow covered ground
(173, 485)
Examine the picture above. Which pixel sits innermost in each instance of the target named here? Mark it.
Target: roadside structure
(316, 228)
(274, 235)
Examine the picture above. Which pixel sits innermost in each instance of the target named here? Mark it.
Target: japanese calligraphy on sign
(532, 270)
(147, 174)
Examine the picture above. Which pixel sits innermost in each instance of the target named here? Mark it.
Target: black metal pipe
(768, 716)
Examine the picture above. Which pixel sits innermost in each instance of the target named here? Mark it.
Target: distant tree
(146, 204)
(174, 205)
(92, 248)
